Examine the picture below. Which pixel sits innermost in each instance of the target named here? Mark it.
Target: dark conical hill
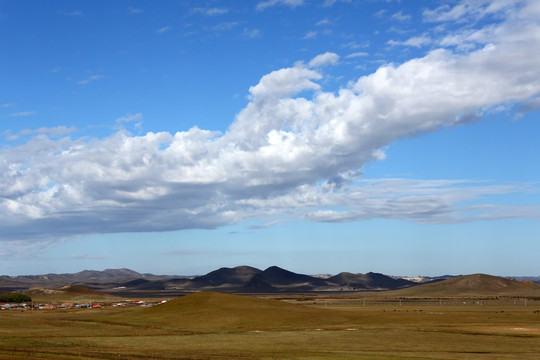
(258, 283)
(369, 281)
(278, 276)
(236, 275)
(224, 312)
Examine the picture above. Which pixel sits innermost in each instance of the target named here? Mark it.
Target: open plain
(220, 326)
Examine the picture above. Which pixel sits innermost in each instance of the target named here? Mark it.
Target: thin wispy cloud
(323, 22)
(530, 105)
(251, 33)
(130, 118)
(264, 226)
(90, 79)
(23, 113)
(270, 3)
(72, 13)
(49, 131)
(134, 11)
(185, 252)
(353, 45)
(164, 29)
(135, 119)
(210, 11)
(86, 257)
(310, 35)
(328, 3)
(57, 130)
(224, 26)
(357, 54)
(416, 41)
(399, 16)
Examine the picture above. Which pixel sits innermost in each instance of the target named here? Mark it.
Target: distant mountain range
(86, 277)
(273, 279)
(237, 279)
(244, 279)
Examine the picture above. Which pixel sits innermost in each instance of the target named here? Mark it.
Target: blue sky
(321, 136)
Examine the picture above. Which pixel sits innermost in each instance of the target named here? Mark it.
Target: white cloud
(164, 29)
(327, 58)
(130, 118)
(328, 3)
(134, 11)
(310, 35)
(530, 105)
(356, 54)
(291, 3)
(225, 26)
(295, 151)
(354, 45)
(285, 82)
(251, 33)
(416, 41)
(49, 131)
(23, 113)
(470, 10)
(399, 16)
(210, 11)
(72, 13)
(58, 130)
(425, 201)
(90, 79)
(323, 22)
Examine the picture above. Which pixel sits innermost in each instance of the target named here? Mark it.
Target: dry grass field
(217, 326)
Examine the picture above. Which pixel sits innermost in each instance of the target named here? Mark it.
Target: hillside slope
(472, 285)
(217, 311)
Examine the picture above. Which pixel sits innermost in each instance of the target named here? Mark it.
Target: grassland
(217, 326)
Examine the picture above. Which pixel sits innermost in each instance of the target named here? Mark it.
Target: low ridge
(210, 310)
(473, 285)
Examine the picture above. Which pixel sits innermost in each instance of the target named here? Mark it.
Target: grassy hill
(471, 285)
(217, 311)
(220, 326)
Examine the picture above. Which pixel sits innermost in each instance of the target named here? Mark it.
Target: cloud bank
(294, 152)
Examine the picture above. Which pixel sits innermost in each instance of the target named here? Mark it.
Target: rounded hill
(472, 285)
(217, 311)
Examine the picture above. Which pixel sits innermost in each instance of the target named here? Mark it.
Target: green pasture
(217, 326)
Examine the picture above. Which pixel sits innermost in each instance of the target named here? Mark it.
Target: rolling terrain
(234, 280)
(225, 326)
(246, 279)
(479, 285)
(211, 311)
(69, 293)
(250, 280)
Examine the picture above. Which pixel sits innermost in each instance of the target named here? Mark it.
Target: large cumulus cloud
(295, 151)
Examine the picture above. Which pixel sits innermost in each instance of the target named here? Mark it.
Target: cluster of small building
(138, 303)
(21, 306)
(24, 306)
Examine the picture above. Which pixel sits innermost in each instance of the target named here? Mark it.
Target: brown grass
(216, 326)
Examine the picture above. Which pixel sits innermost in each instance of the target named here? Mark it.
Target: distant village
(75, 305)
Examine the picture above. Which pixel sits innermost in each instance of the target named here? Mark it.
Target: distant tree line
(15, 298)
